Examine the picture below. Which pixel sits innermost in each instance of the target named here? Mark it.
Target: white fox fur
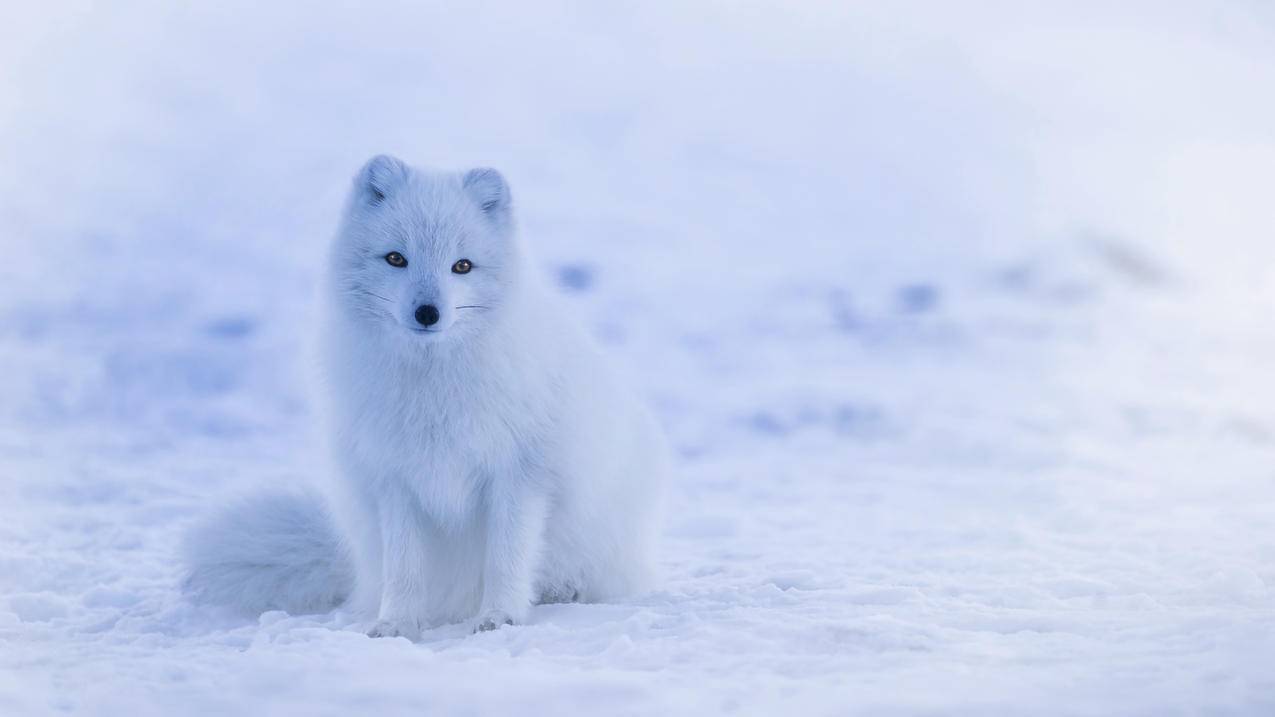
(487, 460)
(276, 551)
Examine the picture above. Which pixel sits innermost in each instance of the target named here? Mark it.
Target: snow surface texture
(958, 318)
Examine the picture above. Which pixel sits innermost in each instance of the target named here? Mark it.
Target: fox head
(426, 255)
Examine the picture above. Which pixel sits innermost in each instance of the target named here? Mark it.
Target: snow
(958, 319)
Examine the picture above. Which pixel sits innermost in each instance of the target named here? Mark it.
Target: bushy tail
(276, 551)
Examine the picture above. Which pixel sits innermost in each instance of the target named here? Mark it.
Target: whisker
(473, 306)
(371, 293)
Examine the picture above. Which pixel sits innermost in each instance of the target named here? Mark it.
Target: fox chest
(443, 452)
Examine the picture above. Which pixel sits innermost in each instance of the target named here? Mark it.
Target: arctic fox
(486, 458)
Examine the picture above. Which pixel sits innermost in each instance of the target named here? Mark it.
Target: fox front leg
(515, 534)
(403, 556)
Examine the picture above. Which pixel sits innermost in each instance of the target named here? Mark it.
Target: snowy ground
(959, 321)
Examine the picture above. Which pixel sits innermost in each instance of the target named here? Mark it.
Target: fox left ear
(379, 178)
(490, 190)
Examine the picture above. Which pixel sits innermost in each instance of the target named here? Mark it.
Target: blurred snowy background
(958, 315)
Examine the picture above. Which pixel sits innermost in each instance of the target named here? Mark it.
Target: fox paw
(560, 594)
(396, 628)
(493, 620)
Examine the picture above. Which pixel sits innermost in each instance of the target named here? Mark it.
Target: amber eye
(462, 267)
(396, 259)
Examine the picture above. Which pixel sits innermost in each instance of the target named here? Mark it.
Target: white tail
(277, 551)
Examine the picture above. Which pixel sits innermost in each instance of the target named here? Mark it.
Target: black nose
(427, 314)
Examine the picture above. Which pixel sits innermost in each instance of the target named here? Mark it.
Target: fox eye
(462, 267)
(396, 259)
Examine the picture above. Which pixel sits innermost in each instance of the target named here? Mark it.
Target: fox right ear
(379, 177)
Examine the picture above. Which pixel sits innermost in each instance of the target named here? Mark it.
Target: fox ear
(490, 190)
(379, 177)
